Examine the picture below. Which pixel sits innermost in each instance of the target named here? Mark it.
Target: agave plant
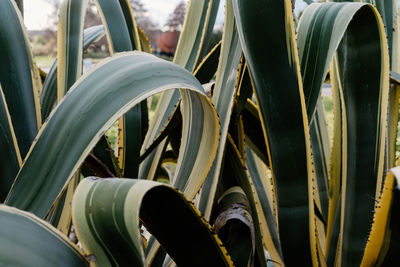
(239, 169)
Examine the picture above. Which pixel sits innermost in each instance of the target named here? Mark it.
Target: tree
(177, 17)
(144, 22)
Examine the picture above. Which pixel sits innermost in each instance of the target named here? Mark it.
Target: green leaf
(391, 242)
(106, 214)
(49, 92)
(223, 96)
(381, 224)
(17, 76)
(189, 46)
(266, 204)
(207, 68)
(356, 31)
(235, 173)
(123, 36)
(271, 54)
(321, 156)
(33, 242)
(83, 116)
(10, 158)
(234, 226)
(70, 45)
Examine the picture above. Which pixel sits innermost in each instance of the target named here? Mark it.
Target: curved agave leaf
(144, 42)
(95, 102)
(274, 67)
(18, 76)
(60, 215)
(106, 213)
(122, 34)
(391, 240)
(234, 226)
(223, 96)
(207, 68)
(390, 15)
(210, 19)
(266, 235)
(265, 205)
(381, 221)
(20, 4)
(335, 169)
(254, 137)
(189, 46)
(204, 72)
(196, 25)
(29, 241)
(356, 31)
(321, 156)
(70, 44)
(10, 158)
(49, 91)
(131, 24)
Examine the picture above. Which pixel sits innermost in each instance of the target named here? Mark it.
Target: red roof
(167, 41)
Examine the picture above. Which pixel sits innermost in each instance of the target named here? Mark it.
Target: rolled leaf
(106, 213)
(356, 31)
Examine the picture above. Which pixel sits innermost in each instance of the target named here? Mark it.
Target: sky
(38, 11)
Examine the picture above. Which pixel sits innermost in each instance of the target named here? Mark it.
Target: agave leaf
(122, 34)
(321, 153)
(70, 44)
(18, 76)
(391, 240)
(144, 42)
(234, 226)
(274, 67)
(9, 151)
(210, 19)
(81, 119)
(335, 169)
(390, 16)
(207, 68)
(357, 32)
(189, 46)
(381, 221)
(70, 58)
(395, 77)
(253, 131)
(266, 235)
(106, 213)
(204, 72)
(131, 24)
(266, 205)
(174, 124)
(20, 4)
(49, 91)
(105, 153)
(33, 242)
(223, 96)
(199, 21)
(60, 216)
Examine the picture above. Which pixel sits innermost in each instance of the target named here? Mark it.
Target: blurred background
(161, 20)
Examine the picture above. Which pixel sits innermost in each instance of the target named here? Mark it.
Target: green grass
(329, 116)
